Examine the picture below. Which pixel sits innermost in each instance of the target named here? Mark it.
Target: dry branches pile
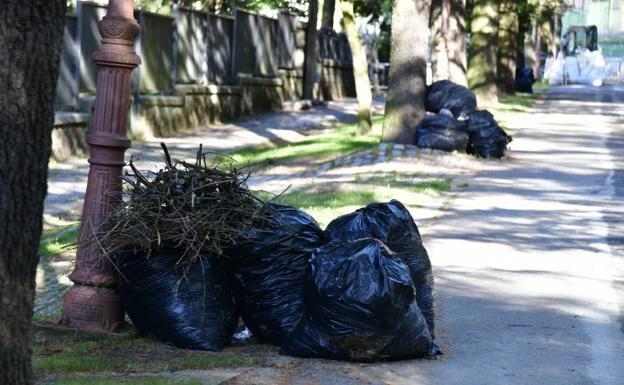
(194, 208)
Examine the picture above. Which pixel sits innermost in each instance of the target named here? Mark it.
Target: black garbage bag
(442, 132)
(393, 224)
(189, 306)
(268, 264)
(524, 80)
(360, 305)
(446, 94)
(487, 139)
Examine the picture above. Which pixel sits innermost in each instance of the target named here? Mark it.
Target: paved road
(528, 263)
(529, 260)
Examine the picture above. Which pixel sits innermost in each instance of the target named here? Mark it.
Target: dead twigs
(193, 208)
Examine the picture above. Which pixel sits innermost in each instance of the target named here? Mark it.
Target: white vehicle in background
(579, 60)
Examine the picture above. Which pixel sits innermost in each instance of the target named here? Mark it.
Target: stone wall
(292, 84)
(69, 135)
(190, 107)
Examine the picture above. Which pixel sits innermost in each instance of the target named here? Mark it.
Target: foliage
(58, 239)
(378, 12)
(223, 6)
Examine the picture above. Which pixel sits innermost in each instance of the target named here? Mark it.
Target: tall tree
(311, 43)
(360, 68)
(327, 17)
(448, 58)
(31, 33)
(482, 53)
(405, 105)
(525, 10)
(507, 46)
(439, 27)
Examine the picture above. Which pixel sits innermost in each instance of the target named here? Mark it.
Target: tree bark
(537, 52)
(457, 43)
(327, 18)
(482, 53)
(507, 46)
(439, 26)
(31, 33)
(405, 105)
(556, 34)
(309, 66)
(448, 59)
(548, 36)
(360, 68)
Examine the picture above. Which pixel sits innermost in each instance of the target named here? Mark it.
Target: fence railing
(190, 47)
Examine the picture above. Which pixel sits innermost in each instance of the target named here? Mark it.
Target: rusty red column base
(92, 308)
(92, 303)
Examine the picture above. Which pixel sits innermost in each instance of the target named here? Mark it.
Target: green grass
(123, 381)
(520, 102)
(340, 141)
(325, 202)
(63, 351)
(56, 239)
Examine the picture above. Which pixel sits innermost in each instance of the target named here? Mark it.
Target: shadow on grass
(327, 201)
(122, 381)
(64, 351)
(341, 141)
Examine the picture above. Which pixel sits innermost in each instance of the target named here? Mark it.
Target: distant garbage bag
(360, 305)
(586, 67)
(268, 265)
(189, 306)
(524, 80)
(446, 94)
(393, 224)
(487, 139)
(592, 68)
(442, 132)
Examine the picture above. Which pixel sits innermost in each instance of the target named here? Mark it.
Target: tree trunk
(439, 27)
(31, 33)
(548, 37)
(457, 43)
(482, 52)
(327, 18)
(309, 66)
(360, 68)
(557, 34)
(405, 105)
(448, 59)
(538, 50)
(529, 47)
(507, 46)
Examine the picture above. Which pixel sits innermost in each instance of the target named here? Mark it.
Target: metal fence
(189, 47)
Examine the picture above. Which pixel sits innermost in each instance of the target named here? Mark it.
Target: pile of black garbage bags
(458, 125)
(360, 290)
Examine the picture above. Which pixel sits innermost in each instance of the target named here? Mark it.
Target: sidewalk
(527, 261)
(67, 181)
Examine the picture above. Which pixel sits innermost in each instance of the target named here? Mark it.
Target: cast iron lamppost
(92, 302)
